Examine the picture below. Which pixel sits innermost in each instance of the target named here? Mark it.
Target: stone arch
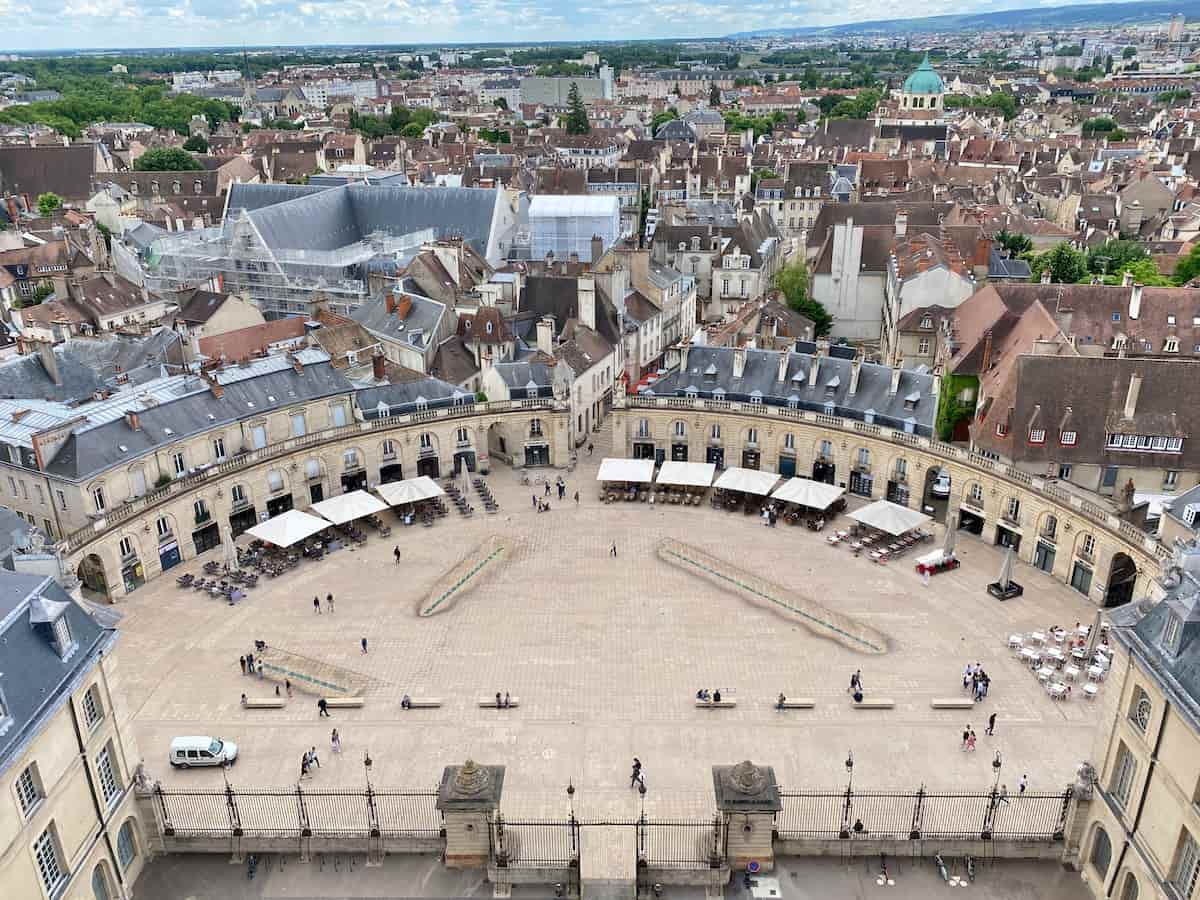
(130, 845)
(351, 469)
(94, 575)
(102, 881)
(1099, 855)
(1049, 526)
(391, 460)
(1122, 579)
(902, 484)
(1129, 887)
(752, 439)
(824, 467)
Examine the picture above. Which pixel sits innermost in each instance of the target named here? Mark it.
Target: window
(643, 428)
(1171, 345)
(126, 850)
(258, 436)
(752, 436)
(425, 441)
(1067, 438)
(41, 496)
(1037, 435)
(298, 428)
(350, 459)
(126, 547)
(97, 497)
(1050, 529)
(715, 432)
(1170, 477)
(92, 713)
(389, 449)
(45, 850)
(339, 415)
(901, 469)
(1187, 866)
(1088, 547)
(218, 449)
(535, 427)
(29, 789)
(62, 500)
(680, 429)
(1013, 512)
(110, 787)
(312, 469)
(1101, 854)
(789, 441)
(200, 508)
(1171, 632)
(926, 321)
(1064, 472)
(1116, 317)
(163, 526)
(1001, 429)
(238, 494)
(864, 457)
(179, 464)
(923, 346)
(1123, 773)
(1139, 710)
(100, 884)
(461, 436)
(1170, 319)
(1130, 890)
(274, 480)
(62, 634)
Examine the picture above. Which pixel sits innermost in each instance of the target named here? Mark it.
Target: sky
(57, 24)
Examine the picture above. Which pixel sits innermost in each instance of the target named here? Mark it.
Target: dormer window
(1067, 438)
(1170, 320)
(62, 635)
(1037, 435)
(1172, 631)
(1171, 345)
(926, 321)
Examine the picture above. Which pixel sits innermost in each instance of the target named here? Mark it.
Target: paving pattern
(606, 655)
(481, 563)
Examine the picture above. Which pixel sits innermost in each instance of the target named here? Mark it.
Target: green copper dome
(924, 80)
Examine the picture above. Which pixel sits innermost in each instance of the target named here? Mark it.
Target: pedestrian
(971, 741)
(304, 766)
(925, 576)
(535, 503)
(547, 491)
(966, 734)
(507, 703)
(613, 551)
(242, 663)
(987, 683)
(323, 708)
(312, 757)
(396, 554)
(329, 601)
(249, 663)
(499, 704)
(780, 700)
(636, 775)
(967, 673)
(317, 605)
(363, 643)
(991, 729)
(259, 669)
(243, 699)
(335, 741)
(288, 683)
(855, 682)
(589, 448)
(276, 690)
(1023, 783)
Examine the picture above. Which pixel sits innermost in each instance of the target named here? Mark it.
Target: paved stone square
(606, 656)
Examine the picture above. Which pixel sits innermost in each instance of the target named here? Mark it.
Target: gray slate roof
(409, 396)
(34, 680)
(422, 318)
(710, 370)
(520, 375)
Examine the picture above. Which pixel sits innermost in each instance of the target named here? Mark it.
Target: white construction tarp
(806, 492)
(411, 490)
(890, 517)
(348, 507)
(687, 474)
(639, 471)
(748, 481)
(287, 528)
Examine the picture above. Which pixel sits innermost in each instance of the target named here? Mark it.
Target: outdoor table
(1095, 673)
(1045, 673)
(1071, 673)
(1030, 653)
(1057, 691)
(1037, 637)
(1015, 641)
(1056, 654)
(1089, 691)
(842, 535)
(1079, 655)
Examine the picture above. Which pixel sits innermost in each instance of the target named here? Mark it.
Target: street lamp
(367, 766)
(845, 832)
(997, 763)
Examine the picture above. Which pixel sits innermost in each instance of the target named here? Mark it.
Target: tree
(1066, 264)
(500, 103)
(1015, 244)
(577, 119)
(792, 282)
(663, 118)
(1144, 272)
(47, 203)
(714, 95)
(166, 159)
(197, 143)
(1115, 256)
(1188, 267)
(1129, 53)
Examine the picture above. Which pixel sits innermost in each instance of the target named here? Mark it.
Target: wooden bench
(490, 703)
(344, 702)
(717, 704)
(874, 703)
(265, 703)
(952, 703)
(796, 703)
(424, 703)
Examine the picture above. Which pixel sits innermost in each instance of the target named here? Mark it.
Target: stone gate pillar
(748, 799)
(467, 797)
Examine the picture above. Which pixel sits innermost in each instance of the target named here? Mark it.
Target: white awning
(890, 517)
(287, 528)
(348, 507)
(806, 492)
(634, 470)
(748, 481)
(688, 474)
(411, 490)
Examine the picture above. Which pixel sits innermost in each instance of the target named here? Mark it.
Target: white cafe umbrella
(1005, 578)
(951, 533)
(230, 548)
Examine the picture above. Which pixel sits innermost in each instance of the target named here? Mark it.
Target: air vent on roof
(250, 403)
(269, 397)
(211, 417)
(122, 448)
(168, 431)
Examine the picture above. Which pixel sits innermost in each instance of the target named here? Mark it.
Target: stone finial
(471, 786)
(746, 787)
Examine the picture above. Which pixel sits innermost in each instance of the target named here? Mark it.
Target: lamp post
(845, 832)
(989, 822)
(367, 767)
(997, 764)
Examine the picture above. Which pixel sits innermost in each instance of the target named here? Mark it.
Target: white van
(202, 751)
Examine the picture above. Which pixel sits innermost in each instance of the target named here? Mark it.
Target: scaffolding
(282, 281)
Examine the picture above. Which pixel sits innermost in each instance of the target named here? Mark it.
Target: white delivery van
(202, 750)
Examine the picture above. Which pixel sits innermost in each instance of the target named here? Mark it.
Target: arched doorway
(1121, 580)
(91, 574)
(935, 493)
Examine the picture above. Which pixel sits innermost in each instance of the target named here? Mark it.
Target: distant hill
(1007, 19)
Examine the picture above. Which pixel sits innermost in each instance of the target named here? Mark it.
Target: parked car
(941, 485)
(202, 750)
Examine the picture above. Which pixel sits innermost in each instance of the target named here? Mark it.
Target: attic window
(122, 448)
(168, 431)
(926, 322)
(489, 327)
(1170, 320)
(1189, 514)
(719, 394)
(211, 417)
(1171, 345)
(1116, 317)
(250, 403)
(1172, 631)
(269, 397)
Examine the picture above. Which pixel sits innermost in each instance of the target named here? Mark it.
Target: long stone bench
(952, 703)
(425, 703)
(490, 703)
(344, 702)
(264, 703)
(874, 703)
(795, 703)
(717, 704)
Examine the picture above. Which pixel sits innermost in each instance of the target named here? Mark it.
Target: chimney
(1127, 279)
(896, 373)
(390, 300)
(901, 222)
(683, 356)
(1045, 276)
(403, 306)
(215, 387)
(855, 371)
(45, 351)
(132, 420)
(1135, 301)
(784, 357)
(545, 335)
(597, 247)
(586, 287)
(296, 364)
(987, 352)
(1131, 396)
(739, 361)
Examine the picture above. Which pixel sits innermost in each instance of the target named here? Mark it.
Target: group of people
(501, 702)
(310, 758)
(976, 680)
(250, 665)
(328, 603)
(714, 697)
(856, 686)
(769, 515)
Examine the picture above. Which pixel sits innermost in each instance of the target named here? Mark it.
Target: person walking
(966, 734)
(991, 728)
(259, 669)
(971, 741)
(363, 643)
(242, 663)
(312, 757)
(304, 766)
(577, 498)
(636, 775)
(925, 576)
(1023, 783)
(613, 551)
(547, 491)
(329, 601)
(323, 708)
(335, 741)
(396, 554)
(288, 684)
(589, 448)
(249, 663)
(317, 605)
(535, 503)
(855, 682)
(779, 701)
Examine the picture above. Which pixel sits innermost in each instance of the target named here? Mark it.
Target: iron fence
(534, 844)
(681, 845)
(299, 812)
(921, 814)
